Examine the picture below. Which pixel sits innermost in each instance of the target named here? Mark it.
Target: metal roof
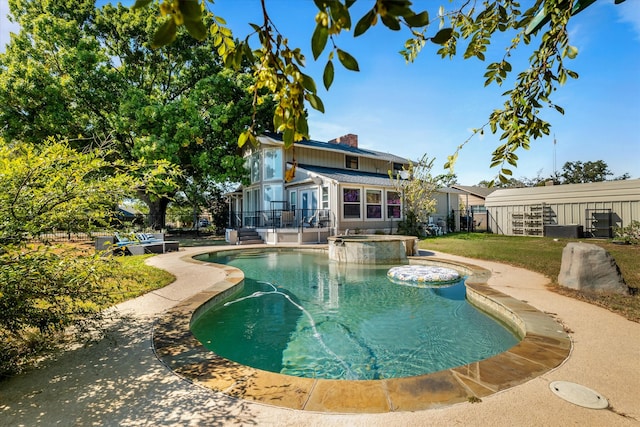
(344, 148)
(346, 176)
(475, 190)
(606, 191)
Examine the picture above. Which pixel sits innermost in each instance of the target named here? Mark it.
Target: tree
(279, 67)
(572, 173)
(417, 192)
(90, 75)
(178, 103)
(44, 288)
(52, 186)
(578, 172)
(508, 183)
(54, 79)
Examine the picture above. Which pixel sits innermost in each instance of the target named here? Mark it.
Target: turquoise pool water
(301, 314)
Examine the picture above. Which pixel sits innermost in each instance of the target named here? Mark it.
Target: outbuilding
(569, 210)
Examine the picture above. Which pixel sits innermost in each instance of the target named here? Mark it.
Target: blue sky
(431, 105)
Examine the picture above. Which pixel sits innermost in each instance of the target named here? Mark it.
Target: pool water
(301, 314)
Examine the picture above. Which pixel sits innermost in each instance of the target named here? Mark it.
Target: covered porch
(281, 226)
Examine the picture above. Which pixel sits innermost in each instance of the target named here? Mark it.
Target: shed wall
(573, 204)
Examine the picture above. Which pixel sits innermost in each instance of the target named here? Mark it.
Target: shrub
(629, 234)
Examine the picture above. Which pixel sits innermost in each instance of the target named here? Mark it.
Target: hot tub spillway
(372, 249)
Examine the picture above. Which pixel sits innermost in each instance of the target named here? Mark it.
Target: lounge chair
(286, 218)
(143, 243)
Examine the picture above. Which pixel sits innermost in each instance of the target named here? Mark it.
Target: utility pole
(555, 171)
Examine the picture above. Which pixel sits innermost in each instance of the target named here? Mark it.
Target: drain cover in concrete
(579, 395)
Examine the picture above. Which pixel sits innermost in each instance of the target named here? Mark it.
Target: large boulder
(590, 268)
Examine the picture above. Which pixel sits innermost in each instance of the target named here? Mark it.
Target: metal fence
(69, 236)
(282, 218)
(469, 220)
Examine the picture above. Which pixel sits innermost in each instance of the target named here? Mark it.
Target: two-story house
(316, 189)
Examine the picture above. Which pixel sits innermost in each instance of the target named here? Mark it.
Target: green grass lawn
(135, 278)
(544, 255)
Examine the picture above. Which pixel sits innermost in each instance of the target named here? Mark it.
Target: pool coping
(544, 346)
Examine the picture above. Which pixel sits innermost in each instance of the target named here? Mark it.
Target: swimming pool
(301, 314)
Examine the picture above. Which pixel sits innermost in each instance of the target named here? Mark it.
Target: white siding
(566, 204)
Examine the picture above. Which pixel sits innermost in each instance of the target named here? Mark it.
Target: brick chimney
(349, 139)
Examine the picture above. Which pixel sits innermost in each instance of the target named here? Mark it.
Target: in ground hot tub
(372, 249)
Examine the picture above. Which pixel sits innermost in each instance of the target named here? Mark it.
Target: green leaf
(302, 126)
(391, 22)
(239, 53)
(308, 83)
(364, 23)
(197, 29)
(442, 36)
(572, 52)
(559, 109)
(319, 40)
(141, 3)
(398, 7)
(327, 76)
(340, 14)
(287, 137)
(562, 78)
(242, 139)
(315, 102)
(348, 61)
(191, 10)
(419, 20)
(166, 34)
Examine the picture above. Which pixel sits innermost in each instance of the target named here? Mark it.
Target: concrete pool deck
(118, 380)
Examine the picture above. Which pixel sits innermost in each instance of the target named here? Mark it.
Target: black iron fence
(282, 218)
(468, 220)
(69, 236)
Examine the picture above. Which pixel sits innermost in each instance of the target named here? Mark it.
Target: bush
(629, 234)
(44, 289)
(410, 226)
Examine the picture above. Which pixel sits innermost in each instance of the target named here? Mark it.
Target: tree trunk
(157, 210)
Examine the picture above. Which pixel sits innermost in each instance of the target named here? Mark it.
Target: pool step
(249, 236)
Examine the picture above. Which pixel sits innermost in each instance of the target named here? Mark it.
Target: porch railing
(282, 218)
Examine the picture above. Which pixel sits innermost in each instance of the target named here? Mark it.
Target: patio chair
(286, 219)
(267, 220)
(311, 221)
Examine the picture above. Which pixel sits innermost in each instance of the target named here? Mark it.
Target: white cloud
(629, 12)
(6, 26)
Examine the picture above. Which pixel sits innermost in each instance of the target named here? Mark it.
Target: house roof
(594, 192)
(475, 190)
(347, 149)
(346, 176)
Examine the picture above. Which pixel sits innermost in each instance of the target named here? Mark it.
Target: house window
(325, 197)
(253, 165)
(293, 200)
(272, 164)
(351, 203)
(374, 204)
(393, 204)
(351, 162)
(271, 193)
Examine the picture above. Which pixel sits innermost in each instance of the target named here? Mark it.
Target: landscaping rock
(590, 268)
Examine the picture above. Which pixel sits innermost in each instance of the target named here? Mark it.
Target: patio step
(249, 236)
